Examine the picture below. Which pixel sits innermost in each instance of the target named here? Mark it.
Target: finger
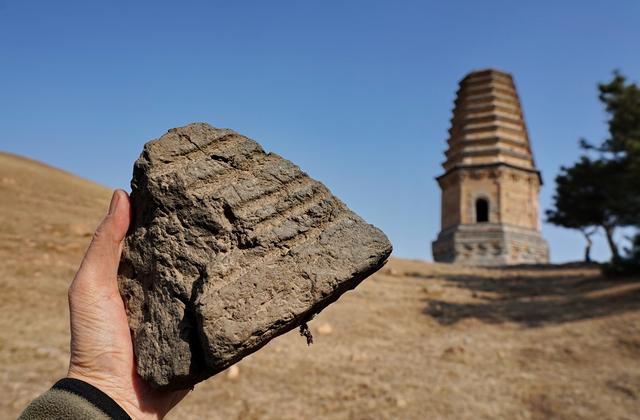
(103, 255)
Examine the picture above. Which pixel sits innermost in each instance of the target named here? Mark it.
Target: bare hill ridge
(416, 340)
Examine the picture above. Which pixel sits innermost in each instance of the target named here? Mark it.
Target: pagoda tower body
(489, 210)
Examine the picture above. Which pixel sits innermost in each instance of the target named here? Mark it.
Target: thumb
(103, 255)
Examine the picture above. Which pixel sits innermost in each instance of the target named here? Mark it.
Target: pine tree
(605, 192)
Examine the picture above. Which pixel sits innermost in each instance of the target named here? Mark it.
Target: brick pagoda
(490, 185)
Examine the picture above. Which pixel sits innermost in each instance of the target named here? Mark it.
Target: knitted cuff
(94, 396)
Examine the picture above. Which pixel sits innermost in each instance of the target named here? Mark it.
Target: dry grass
(416, 340)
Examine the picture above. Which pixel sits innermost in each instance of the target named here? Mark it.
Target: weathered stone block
(230, 247)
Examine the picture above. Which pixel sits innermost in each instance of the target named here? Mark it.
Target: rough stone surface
(230, 247)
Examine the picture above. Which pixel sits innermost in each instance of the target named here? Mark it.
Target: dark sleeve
(73, 399)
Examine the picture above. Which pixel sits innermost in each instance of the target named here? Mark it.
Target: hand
(101, 347)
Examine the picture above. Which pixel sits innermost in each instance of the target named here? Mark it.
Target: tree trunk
(587, 249)
(608, 230)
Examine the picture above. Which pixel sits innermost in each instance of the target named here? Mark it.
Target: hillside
(416, 340)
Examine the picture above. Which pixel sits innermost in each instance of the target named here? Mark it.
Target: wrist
(88, 399)
(110, 389)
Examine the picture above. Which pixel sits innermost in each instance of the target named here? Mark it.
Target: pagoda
(490, 184)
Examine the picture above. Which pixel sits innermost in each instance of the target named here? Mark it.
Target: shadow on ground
(533, 301)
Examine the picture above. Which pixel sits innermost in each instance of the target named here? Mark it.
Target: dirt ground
(417, 340)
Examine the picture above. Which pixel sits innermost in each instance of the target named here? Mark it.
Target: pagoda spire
(487, 124)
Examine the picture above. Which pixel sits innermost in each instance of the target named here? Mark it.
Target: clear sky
(358, 93)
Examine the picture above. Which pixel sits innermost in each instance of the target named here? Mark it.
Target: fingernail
(114, 202)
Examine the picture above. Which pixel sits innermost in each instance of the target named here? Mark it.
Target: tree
(583, 200)
(622, 103)
(605, 192)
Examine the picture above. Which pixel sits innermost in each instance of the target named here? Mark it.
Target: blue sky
(358, 93)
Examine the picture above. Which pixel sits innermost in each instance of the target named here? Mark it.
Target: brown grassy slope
(416, 340)
(47, 217)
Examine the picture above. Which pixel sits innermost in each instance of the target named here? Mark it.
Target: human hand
(101, 347)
